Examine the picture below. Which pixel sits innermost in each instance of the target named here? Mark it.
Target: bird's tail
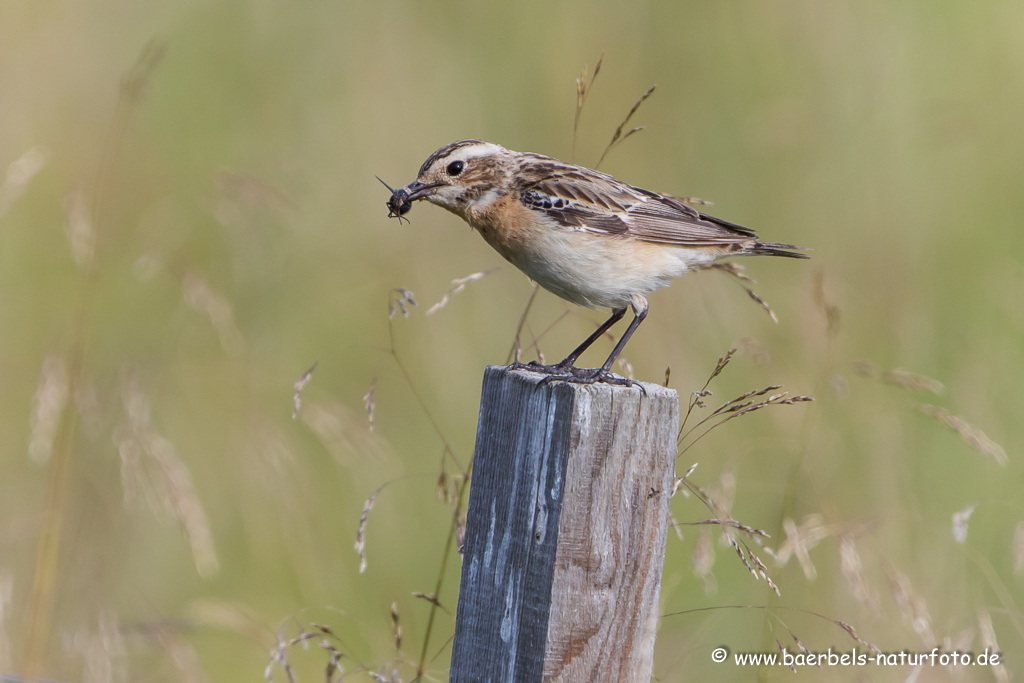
(776, 249)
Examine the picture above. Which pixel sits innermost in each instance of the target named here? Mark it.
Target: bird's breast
(579, 266)
(505, 224)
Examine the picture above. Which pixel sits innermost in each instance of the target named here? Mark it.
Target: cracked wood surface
(566, 530)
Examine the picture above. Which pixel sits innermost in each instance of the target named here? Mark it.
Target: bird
(581, 234)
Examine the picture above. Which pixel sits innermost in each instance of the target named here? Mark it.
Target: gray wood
(566, 529)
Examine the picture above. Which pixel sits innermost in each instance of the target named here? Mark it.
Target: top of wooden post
(654, 391)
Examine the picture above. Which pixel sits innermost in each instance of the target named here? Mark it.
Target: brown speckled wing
(584, 199)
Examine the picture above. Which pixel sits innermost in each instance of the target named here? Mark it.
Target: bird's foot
(563, 368)
(581, 376)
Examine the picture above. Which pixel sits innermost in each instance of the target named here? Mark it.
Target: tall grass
(181, 240)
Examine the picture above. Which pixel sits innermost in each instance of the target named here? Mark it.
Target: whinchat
(581, 234)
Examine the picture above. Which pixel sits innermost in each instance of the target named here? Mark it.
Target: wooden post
(566, 529)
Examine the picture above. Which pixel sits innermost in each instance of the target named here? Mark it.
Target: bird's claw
(562, 368)
(600, 375)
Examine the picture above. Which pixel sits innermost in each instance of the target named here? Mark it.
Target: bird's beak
(417, 190)
(402, 198)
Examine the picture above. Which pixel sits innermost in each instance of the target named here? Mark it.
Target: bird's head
(457, 176)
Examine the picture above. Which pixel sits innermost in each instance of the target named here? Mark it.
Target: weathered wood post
(566, 529)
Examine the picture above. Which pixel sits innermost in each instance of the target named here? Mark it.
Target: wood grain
(566, 529)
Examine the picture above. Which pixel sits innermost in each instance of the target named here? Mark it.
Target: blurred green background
(189, 219)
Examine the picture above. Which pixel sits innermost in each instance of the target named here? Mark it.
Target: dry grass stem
(618, 137)
(840, 385)
(19, 174)
(78, 228)
(432, 599)
(800, 540)
(734, 269)
(535, 344)
(513, 354)
(300, 384)
(360, 545)
(675, 524)
(451, 490)
(370, 402)
(987, 634)
(334, 654)
(680, 480)
(103, 651)
(48, 405)
(460, 531)
(396, 627)
(161, 478)
(796, 640)
(738, 272)
(833, 316)
(696, 398)
(782, 651)
(442, 488)
(134, 81)
(235, 617)
(458, 284)
(910, 380)
(763, 304)
(971, 435)
(279, 655)
(49, 541)
(912, 606)
(853, 634)
(398, 303)
(899, 378)
(324, 638)
(852, 569)
(751, 531)
(333, 663)
(754, 564)
(722, 497)
(202, 298)
(720, 502)
(704, 560)
(582, 91)
(758, 352)
(962, 642)
(183, 656)
(850, 630)
(727, 524)
(737, 407)
(147, 266)
(342, 431)
(960, 523)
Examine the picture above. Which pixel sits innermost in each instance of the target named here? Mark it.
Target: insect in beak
(398, 204)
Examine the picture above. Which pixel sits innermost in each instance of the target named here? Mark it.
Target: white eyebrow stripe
(474, 151)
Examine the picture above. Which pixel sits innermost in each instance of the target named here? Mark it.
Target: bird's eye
(455, 168)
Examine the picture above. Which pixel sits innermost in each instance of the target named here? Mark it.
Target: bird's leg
(568, 365)
(570, 360)
(604, 373)
(638, 317)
